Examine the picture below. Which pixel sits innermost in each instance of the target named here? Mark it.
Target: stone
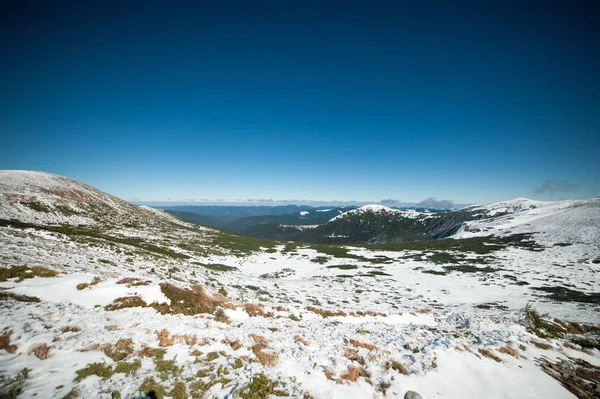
(412, 395)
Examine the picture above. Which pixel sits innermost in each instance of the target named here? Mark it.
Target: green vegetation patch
(435, 272)
(100, 369)
(128, 368)
(472, 269)
(343, 267)
(217, 267)
(564, 294)
(153, 389)
(260, 387)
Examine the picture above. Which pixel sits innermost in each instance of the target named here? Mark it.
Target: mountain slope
(44, 198)
(165, 308)
(573, 221)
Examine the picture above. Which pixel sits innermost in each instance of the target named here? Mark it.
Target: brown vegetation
(489, 353)
(367, 313)
(133, 301)
(94, 281)
(190, 301)
(5, 342)
(266, 359)
(396, 365)
(362, 344)
(576, 375)
(133, 281)
(259, 339)
(235, 345)
(353, 373)
(326, 313)
(71, 395)
(255, 309)
(166, 339)
(509, 351)
(67, 329)
(23, 272)
(120, 350)
(298, 338)
(112, 327)
(41, 351)
(352, 355)
(541, 345)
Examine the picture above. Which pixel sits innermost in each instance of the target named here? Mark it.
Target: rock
(412, 395)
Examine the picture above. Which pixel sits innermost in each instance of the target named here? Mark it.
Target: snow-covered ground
(337, 322)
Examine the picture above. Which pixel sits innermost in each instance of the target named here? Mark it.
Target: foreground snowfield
(301, 320)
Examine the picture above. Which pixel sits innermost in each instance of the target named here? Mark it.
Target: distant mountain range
(377, 224)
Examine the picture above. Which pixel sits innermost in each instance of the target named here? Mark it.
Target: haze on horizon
(351, 102)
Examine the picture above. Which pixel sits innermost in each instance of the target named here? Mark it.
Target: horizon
(466, 102)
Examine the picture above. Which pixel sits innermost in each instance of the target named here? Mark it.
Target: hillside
(117, 300)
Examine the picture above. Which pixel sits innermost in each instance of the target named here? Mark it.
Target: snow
(63, 288)
(304, 213)
(574, 221)
(388, 299)
(380, 209)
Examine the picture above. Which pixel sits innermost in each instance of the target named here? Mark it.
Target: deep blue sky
(467, 101)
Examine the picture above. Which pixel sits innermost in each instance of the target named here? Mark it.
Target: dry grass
(575, 328)
(23, 272)
(509, 351)
(266, 359)
(353, 373)
(71, 395)
(329, 373)
(221, 316)
(190, 301)
(67, 329)
(83, 286)
(259, 339)
(542, 345)
(571, 346)
(150, 352)
(352, 355)
(120, 350)
(350, 375)
(133, 301)
(254, 309)
(326, 313)
(112, 327)
(362, 344)
(41, 351)
(5, 342)
(166, 339)
(367, 313)
(396, 365)
(235, 345)
(133, 281)
(489, 353)
(298, 338)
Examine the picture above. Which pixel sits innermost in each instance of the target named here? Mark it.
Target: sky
(332, 100)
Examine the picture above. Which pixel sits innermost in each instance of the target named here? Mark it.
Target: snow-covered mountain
(380, 211)
(551, 222)
(103, 299)
(45, 198)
